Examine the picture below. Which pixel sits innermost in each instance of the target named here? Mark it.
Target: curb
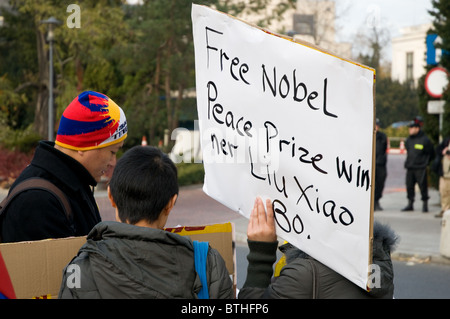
(420, 258)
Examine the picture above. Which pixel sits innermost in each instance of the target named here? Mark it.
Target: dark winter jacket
(296, 278)
(37, 214)
(420, 151)
(437, 164)
(126, 261)
(381, 148)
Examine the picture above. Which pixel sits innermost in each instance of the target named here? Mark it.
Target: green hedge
(19, 140)
(190, 173)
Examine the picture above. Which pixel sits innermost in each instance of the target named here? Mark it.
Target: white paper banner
(285, 121)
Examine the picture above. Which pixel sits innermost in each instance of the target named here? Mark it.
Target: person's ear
(170, 204)
(111, 199)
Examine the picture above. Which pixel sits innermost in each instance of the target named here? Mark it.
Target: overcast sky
(393, 14)
(356, 15)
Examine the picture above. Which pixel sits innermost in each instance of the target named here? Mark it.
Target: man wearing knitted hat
(91, 131)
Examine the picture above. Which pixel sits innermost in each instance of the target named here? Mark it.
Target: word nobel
(300, 91)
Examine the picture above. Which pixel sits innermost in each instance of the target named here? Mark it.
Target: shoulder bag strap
(38, 183)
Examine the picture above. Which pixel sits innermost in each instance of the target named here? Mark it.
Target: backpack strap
(200, 258)
(38, 183)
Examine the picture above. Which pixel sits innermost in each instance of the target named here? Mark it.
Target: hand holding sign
(261, 226)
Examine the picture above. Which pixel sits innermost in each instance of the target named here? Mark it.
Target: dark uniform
(420, 152)
(380, 169)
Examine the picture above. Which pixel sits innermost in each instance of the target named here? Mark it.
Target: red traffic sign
(436, 82)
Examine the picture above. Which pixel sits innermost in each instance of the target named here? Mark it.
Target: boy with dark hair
(143, 186)
(136, 258)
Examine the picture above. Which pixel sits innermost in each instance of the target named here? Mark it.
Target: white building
(314, 22)
(409, 54)
(279, 25)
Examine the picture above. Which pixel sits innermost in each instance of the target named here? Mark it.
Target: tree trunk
(40, 124)
(80, 74)
(154, 91)
(169, 107)
(177, 107)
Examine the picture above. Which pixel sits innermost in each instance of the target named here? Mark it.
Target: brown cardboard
(36, 267)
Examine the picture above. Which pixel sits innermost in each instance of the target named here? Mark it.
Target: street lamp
(50, 38)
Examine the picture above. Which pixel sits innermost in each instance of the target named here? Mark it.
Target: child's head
(144, 182)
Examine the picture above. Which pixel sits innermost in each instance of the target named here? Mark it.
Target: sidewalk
(419, 233)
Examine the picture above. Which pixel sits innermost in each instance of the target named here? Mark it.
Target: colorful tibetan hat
(92, 120)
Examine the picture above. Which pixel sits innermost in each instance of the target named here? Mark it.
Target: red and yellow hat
(92, 120)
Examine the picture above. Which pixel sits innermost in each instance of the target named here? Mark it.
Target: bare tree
(371, 41)
(317, 21)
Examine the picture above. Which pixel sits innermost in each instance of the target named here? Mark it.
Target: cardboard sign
(289, 122)
(36, 267)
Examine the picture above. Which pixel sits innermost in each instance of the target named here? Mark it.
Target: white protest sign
(286, 121)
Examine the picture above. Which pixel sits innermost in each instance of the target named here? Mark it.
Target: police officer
(420, 152)
(380, 160)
